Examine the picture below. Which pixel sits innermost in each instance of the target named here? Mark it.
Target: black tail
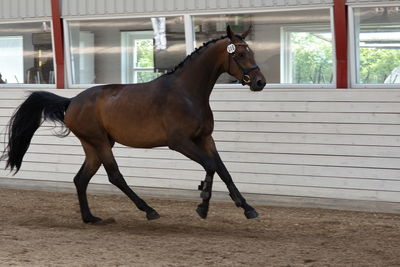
(39, 106)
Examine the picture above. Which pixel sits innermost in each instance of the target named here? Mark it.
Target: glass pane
(144, 53)
(377, 45)
(310, 58)
(281, 42)
(114, 50)
(11, 59)
(26, 53)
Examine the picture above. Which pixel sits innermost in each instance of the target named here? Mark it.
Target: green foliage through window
(144, 50)
(144, 61)
(311, 57)
(376, 64)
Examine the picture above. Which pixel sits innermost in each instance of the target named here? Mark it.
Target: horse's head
(240, 61)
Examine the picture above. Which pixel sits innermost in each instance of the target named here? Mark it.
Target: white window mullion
(189, 34)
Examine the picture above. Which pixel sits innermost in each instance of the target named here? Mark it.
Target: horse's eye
(241, 55)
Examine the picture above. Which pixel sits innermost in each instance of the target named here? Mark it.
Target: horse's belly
(137, 134)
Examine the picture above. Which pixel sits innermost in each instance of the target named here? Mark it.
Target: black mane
(196, 51)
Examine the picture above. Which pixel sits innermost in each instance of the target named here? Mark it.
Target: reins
(246, 79)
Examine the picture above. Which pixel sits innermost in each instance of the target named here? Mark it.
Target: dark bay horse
(172, 110)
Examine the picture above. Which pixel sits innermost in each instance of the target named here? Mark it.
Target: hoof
(202, 211)
(251, 214)
(92, 220)
(205, 195)
(152, 215)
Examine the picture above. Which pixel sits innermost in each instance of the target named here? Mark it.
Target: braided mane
(197, 51)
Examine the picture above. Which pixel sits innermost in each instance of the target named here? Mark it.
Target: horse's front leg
(234, 193)
(200, 151)
(207, 144)
(206, 188)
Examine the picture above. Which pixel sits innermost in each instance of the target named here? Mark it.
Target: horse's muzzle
(258, 83)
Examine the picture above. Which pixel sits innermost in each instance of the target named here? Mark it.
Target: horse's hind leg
(107, 158)
(81, 181)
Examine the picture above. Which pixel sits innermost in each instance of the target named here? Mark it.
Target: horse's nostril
(260, 83)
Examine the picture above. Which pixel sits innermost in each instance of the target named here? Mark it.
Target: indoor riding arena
(199, 133)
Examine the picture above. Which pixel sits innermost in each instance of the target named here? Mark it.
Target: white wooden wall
(325, 143)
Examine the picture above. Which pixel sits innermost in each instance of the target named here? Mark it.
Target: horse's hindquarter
(129, 114)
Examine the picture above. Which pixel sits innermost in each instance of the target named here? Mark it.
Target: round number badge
(231, 48)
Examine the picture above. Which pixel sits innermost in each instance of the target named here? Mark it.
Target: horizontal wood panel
(242, 167)
(362, 107)
(283, 127)
(354, 118)
(305, 117)
(267, 95)
(293, 99)
(265, 147)
(309, 159)
(286, 138)
(326, 95)
(389, 196)
(247, 178)
(309, 138)
(351, 107)
(321, 128)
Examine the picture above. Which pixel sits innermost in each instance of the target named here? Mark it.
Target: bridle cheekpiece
(231, 49)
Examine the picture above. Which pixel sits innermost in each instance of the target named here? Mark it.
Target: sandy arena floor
(41, 228)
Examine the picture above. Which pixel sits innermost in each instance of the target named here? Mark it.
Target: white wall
(325, 143)
(112, 7)
(24, 9)
(17, 9)
(27, 9)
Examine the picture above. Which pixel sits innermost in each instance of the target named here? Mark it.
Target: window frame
(190, 41)
(34, 85)
(353, 50)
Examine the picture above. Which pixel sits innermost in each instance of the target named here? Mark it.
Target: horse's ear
(244, 35)
(229, 32)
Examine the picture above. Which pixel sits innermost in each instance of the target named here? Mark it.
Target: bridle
(246, 79)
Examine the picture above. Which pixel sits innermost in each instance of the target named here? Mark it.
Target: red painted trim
(58, 43)
(341, 36)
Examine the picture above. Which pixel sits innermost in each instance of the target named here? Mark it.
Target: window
(291, 47)
(11, 59)
(26, 53)
(128, 50)
(306, 56)
(138, 57)
(377, 45)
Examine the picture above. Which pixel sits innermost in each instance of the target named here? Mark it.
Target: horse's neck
(202, 71)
